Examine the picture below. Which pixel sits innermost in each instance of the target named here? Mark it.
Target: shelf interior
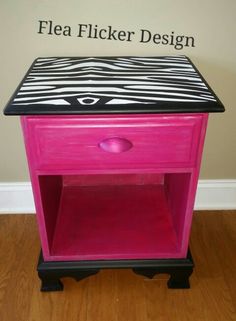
(124, 216)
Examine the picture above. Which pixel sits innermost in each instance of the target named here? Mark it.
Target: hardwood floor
(118, 295)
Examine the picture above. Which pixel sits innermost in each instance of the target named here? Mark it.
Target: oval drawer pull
(115, 145)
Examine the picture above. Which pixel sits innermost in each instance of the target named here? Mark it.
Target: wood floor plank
(102, 296)
(21, 237)
(131, 296)
(119, 295)
(215, 257)
(229, 252)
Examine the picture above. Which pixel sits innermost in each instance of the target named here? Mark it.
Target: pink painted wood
(75, 142)
(97, 204)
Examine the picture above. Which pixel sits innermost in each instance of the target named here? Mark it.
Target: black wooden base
(50, 273)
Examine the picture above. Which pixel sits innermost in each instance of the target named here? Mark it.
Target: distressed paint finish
(69, 145)
(74, 143)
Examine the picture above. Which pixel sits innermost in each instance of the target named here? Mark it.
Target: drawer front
(94, 143)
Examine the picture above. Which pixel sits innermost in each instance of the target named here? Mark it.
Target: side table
(114, 147)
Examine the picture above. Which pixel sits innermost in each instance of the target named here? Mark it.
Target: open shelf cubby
(114, 216)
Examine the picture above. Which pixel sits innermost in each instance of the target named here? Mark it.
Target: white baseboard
(215, 194)
(16, 198)
(211, 195)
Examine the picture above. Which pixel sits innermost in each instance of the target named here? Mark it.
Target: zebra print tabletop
(113, 84)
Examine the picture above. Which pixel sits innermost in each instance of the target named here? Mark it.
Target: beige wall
(210, 22)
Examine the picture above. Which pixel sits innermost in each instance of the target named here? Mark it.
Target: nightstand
(114, 147)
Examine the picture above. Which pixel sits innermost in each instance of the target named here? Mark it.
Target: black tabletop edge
(155, 108)
(42, 109)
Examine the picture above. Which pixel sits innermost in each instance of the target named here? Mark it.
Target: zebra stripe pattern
(78, 81)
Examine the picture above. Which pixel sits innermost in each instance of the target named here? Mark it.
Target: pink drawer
(107, 142)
